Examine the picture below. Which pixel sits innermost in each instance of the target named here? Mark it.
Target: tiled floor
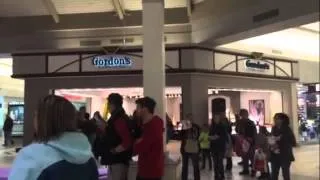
(306, 166)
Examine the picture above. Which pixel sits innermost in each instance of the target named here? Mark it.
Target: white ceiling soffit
(301, 43)
(313, 26)
(16, 8)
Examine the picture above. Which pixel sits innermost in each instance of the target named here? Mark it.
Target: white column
(154, 53)
(294, 110)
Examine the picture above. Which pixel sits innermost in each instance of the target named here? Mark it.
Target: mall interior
(262, 56)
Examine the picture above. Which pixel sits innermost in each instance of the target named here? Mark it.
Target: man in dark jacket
(118, 140)
(249, 133)
(219, 138)
(7, 129)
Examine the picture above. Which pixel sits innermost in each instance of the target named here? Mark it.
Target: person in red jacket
(149, 147)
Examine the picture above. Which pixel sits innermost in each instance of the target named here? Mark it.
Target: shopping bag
(260, 161)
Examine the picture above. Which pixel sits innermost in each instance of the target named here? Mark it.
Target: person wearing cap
(149, 147)
(118, 140)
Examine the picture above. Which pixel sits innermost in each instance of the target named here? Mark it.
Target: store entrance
(261, 104)
(95, 99)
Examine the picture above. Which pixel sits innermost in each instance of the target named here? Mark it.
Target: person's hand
(138, 140)
(113, 151)
(214, 137)
(278, 138)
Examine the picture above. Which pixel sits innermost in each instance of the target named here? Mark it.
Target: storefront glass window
(309, 112)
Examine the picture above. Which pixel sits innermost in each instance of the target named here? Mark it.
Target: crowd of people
(70, 145)
(216, 144)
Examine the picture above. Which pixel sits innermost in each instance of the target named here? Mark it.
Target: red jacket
(150, 150)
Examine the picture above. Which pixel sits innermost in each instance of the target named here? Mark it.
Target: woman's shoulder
(38, 153)
(31, 161)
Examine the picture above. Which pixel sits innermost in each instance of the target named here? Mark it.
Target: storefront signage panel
(112, 61)
(257, 65)
(254, 66)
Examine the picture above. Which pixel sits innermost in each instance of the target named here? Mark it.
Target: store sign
(256, 65)
(112, 61)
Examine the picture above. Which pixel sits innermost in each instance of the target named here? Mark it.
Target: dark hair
(87, 116)
(148, 103)
(115, 99)
(97, 113)
(263, 130)
(283, 117)
(243, 111)
(82, 109)
(55, 115)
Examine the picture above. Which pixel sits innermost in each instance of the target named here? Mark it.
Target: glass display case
(16, 112)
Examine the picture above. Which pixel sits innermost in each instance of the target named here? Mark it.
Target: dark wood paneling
(134, 72)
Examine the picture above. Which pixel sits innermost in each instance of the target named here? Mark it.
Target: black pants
(140, 178)
(275, 168)
(246, 158)
(206, 154)
(185, 165)
(229, 164)
(8, 138)
(218, 164)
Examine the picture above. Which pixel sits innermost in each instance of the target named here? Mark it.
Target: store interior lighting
(130, 92)
(217, 90)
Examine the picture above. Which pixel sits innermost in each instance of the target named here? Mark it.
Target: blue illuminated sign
(109, 61)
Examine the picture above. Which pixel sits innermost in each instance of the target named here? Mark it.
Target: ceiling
(299, 43)
(16, 8)
(54, 25)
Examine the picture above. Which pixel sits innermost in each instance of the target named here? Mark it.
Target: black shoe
(264, 176)
(244, 173)
(253, 173)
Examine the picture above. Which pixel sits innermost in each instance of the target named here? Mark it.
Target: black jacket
(249, 130)
(112, 139)
(285, 144)
(8, 125)
(219, 145)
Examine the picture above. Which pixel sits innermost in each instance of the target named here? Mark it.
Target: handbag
(191, 146)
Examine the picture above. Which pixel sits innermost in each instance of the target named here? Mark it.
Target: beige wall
(272, 102)
(309, 71)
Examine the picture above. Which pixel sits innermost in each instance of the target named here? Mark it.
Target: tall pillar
(195, 100)
(154, 53)
(32, 93)
(290, 107)
(294, 110)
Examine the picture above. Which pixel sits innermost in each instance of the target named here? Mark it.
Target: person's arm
(122, 130)
(24, 166)
(288, 138)
(149, 137)
(183, 141)
(201, 137)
